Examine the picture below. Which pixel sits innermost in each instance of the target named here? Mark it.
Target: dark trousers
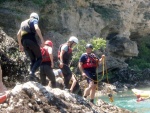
(46, 70)
(32, 50)
(67, 75)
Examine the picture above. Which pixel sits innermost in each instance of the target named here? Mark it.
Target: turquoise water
(128, 101)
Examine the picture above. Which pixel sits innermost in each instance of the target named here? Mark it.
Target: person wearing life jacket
(28, 43)
(3, 93)
(2, 87)
(47, 65)
(88, 64)
(139, 98)
(64, 56)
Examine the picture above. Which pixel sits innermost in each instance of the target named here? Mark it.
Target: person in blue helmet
(88, 64)
(28, 43)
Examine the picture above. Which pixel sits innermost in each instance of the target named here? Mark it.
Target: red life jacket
(45, 55)
(91, 61)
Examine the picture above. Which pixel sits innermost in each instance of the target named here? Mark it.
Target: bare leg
(88, 89)
(92, 92)
(73, 83)
(2, 87)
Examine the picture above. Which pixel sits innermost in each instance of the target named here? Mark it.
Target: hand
(103, 56)
(61, 65)
(83, 75)
(42, 44)
(52, 65)
(20, 48)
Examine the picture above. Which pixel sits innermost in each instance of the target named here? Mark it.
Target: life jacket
(67, 55)
(45, 55)
(91, 61)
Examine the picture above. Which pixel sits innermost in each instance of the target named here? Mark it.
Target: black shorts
(91, 76)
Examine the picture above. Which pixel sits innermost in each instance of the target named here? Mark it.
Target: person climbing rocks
(2, 86)
(3, 90)
(47, 65)
(64, 56)
(28, 43)
(88, 64)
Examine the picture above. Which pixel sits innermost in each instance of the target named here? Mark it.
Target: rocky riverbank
(32, 97)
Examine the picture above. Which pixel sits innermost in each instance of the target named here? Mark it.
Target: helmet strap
(71, 43)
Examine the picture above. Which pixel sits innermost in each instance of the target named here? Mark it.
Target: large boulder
(122, 46)
(14, 64)
(85, 19)
(33, 97)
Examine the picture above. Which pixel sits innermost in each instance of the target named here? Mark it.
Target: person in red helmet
(139, 98)
(47, 65)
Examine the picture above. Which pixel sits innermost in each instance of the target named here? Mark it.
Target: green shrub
(98, 43)
(80, 48)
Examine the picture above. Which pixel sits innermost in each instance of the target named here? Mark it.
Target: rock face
(32, 97)
(14, 64)
(129, 78)
(85, 19)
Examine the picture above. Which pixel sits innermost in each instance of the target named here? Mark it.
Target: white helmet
(34, 15)
(74, 39)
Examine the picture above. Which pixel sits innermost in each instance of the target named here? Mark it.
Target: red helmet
(49, 43)
(138, 96)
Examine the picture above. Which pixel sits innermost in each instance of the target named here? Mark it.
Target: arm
(2, 87)
(52, 62)
(102, 58)
(81, 69)
(61, 58)
(38, 31)
(19, 40)
(50, 51)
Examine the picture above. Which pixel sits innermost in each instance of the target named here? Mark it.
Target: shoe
(33, 78)
(68, 90)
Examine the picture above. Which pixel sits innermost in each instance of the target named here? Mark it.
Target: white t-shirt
(49, 49)
(57, 72)
(64, 47)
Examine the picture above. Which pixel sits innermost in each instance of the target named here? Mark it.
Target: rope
(106, 72)
(97, 73)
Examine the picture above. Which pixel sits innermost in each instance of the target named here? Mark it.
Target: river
(128, 101)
